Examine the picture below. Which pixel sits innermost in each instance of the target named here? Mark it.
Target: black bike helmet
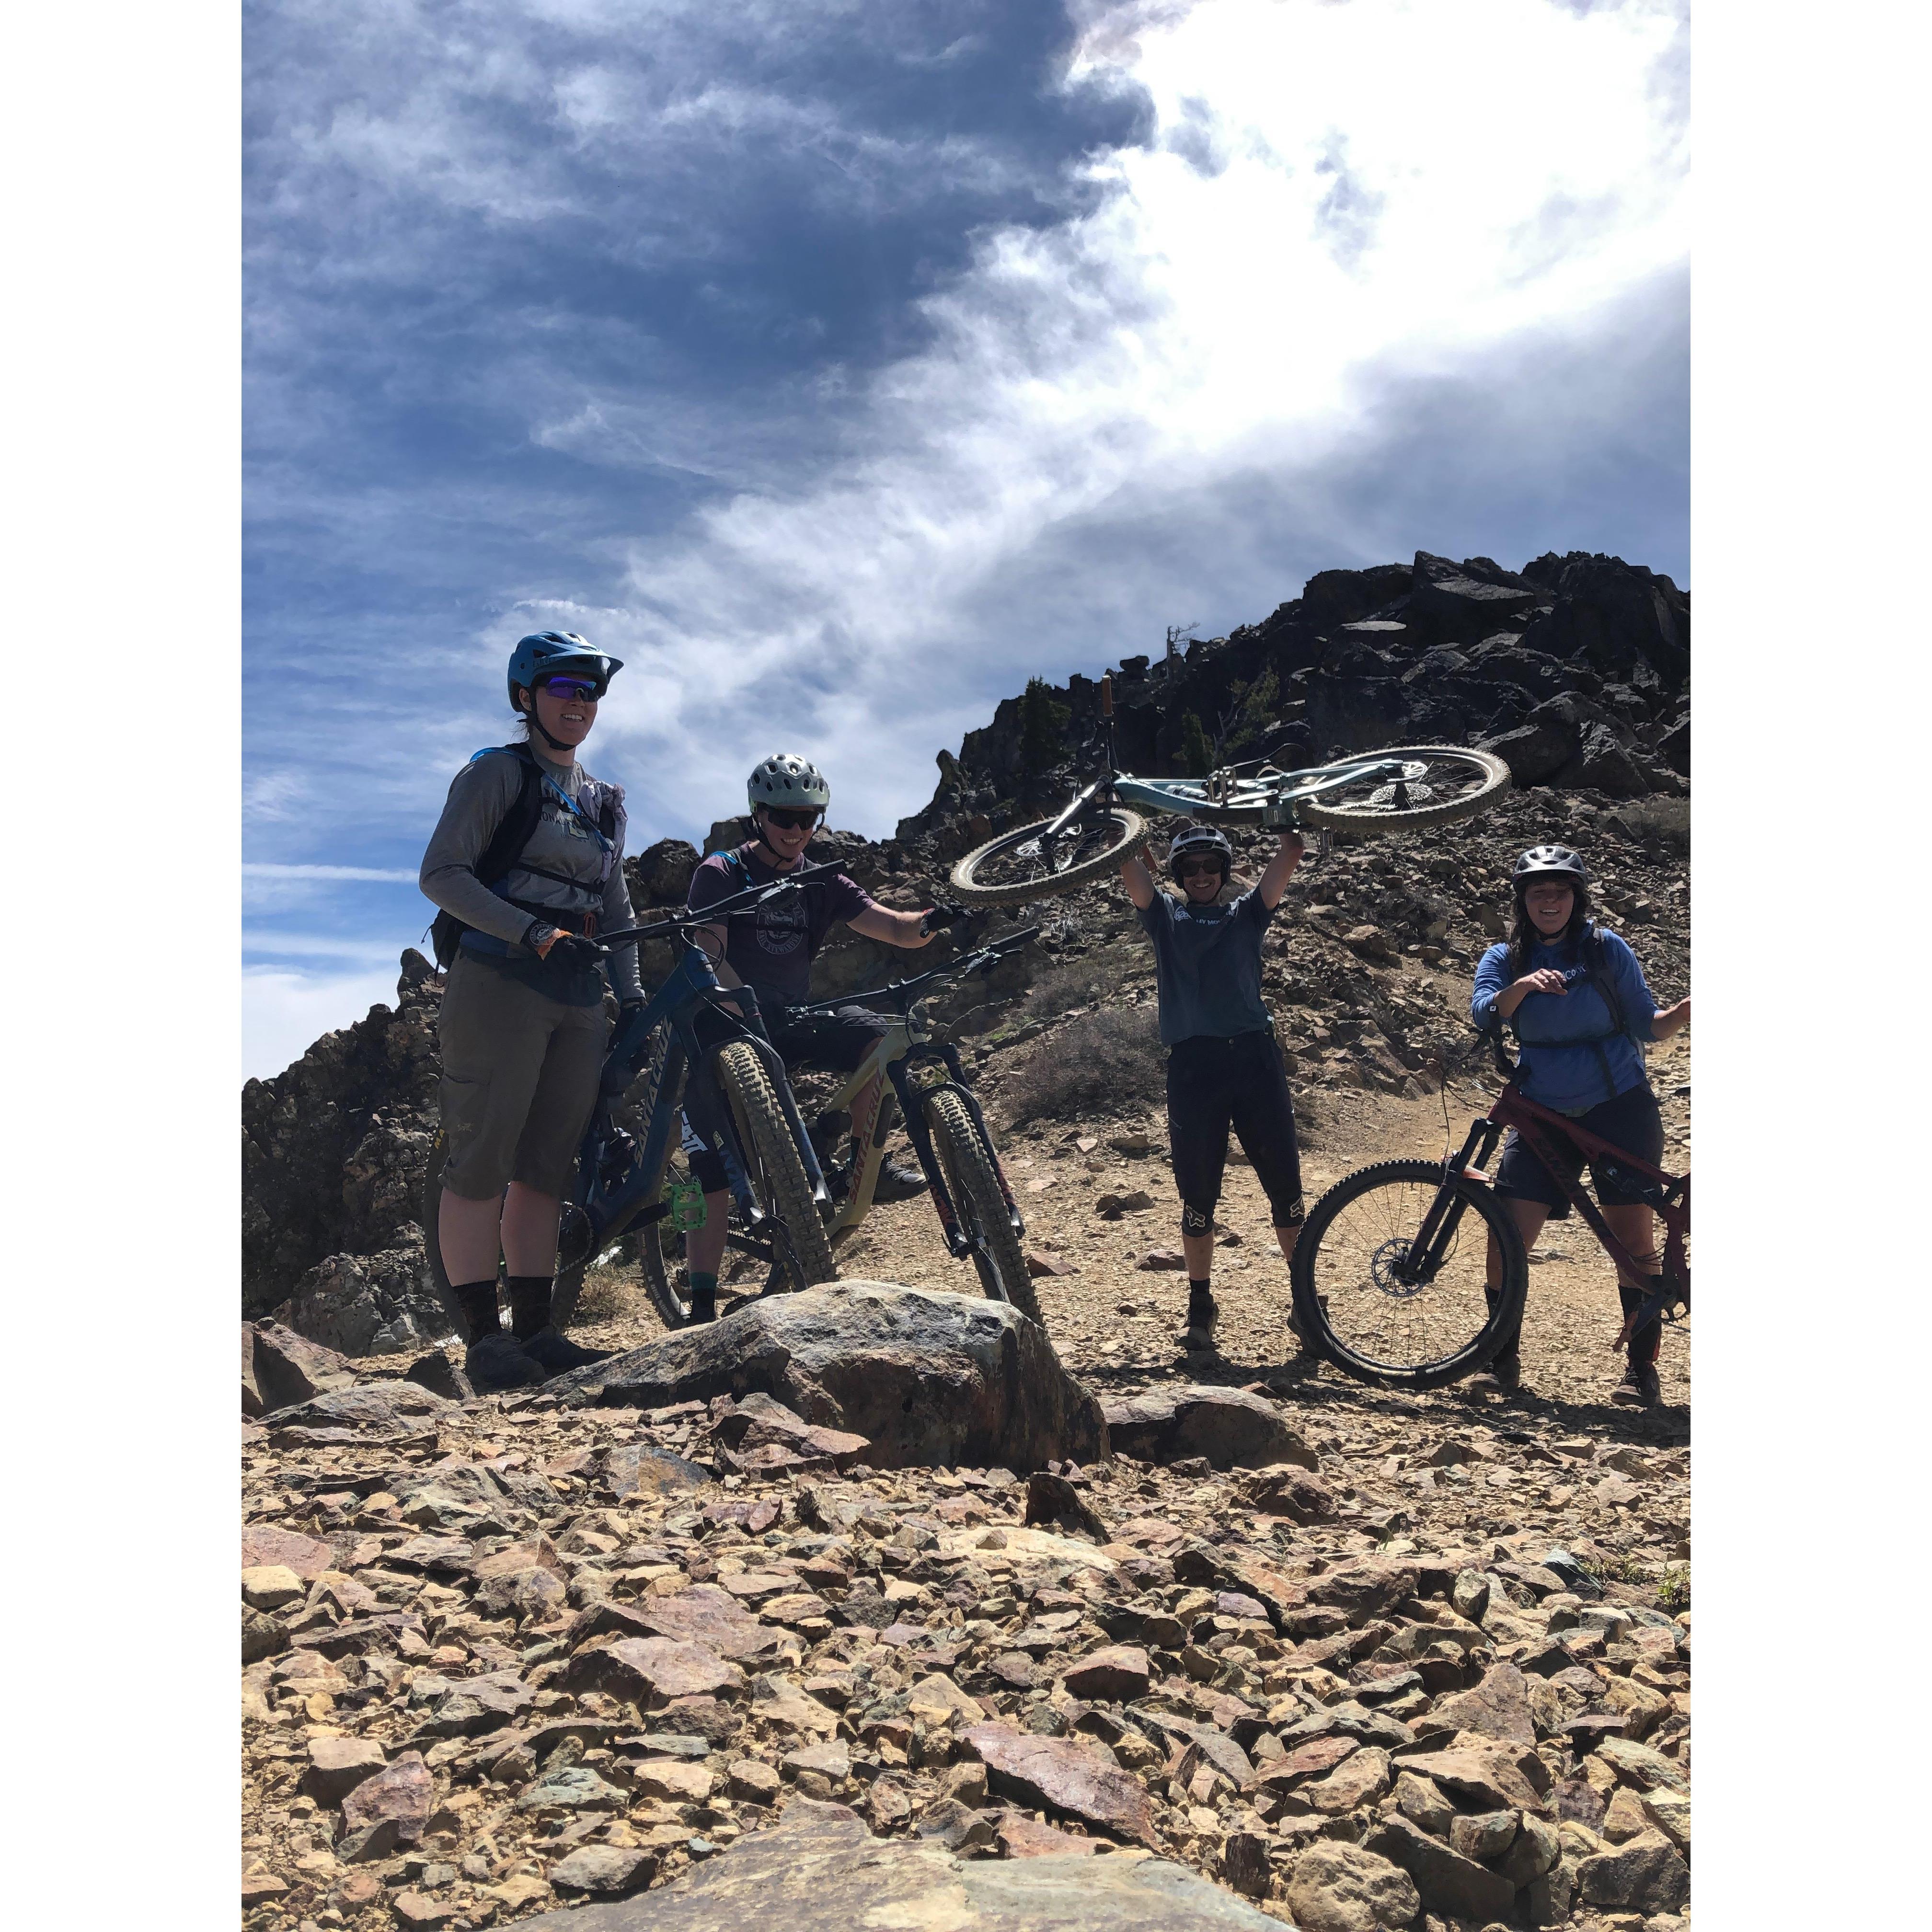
(1198, 838)
(1549, 861)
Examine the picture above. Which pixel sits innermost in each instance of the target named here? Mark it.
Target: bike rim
(1042, 861)
(1364, 1274)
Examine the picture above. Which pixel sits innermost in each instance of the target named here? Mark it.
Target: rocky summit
(882, 1604)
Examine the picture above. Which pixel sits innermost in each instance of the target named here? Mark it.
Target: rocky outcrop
(334, 1148)
(379, 1304)
(1431, 651)
(926, 1379)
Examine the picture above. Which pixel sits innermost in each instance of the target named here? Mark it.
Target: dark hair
(1523, 933)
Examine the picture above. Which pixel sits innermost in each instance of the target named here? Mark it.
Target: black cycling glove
(942, 915)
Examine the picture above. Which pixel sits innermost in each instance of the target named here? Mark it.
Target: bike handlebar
(982, 959)
(744, 902)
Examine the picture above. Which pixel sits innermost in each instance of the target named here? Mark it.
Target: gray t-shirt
(1207, 965)
(479, 795)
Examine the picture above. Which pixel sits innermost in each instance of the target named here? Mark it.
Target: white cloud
(1397, 193)
(1380, 276)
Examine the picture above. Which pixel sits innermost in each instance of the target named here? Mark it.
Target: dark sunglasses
(1187, 868)
(583, 688)
(792, 821)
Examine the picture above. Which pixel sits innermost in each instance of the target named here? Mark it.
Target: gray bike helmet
(1549, 861)
(1200, 838)
(785, 779)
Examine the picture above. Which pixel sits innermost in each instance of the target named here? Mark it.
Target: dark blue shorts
(1631, 1121)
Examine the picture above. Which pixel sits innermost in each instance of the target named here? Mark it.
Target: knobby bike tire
(766, 1137)
(655, 1245)
(1346, 818)
(1128, 825)
(980, 1203)
(1322, 1269)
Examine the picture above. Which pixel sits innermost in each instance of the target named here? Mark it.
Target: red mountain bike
(1389, 1274)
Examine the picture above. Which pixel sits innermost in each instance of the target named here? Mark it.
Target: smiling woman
(527, 862)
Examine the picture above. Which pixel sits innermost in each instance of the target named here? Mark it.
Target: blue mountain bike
(620, 1184)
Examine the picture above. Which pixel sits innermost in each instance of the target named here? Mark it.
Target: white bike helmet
(785, 779)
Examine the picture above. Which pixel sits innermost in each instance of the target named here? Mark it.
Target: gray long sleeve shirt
(479, 796)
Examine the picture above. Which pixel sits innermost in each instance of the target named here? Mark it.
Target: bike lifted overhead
(1402, 789)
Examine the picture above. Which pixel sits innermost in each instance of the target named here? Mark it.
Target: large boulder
(1452, 602)
(929, 1379)
(280, 1367)
(820, 1870)
(1232, 1428)
(379, 1304)
(1626, 623)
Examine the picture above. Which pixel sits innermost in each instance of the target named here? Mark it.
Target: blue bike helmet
(543, 652)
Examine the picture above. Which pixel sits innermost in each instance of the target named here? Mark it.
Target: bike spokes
(1396, 1290)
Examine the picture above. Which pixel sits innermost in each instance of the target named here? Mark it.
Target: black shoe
(1198, 1335)
(1639, 1388)
(1504, 1376)
(556, 1356)
(1303, 1340)
(497, 1362)
(898, 1183)
(704, 1308)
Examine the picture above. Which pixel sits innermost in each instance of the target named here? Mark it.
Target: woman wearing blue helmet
(527, 864)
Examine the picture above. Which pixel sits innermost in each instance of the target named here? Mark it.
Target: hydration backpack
(498, 859)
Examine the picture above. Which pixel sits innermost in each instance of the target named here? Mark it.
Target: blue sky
(840, 364)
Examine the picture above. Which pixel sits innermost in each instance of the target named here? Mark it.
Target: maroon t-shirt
(771, 948)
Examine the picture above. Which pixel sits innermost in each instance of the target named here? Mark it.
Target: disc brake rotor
(1384, 1266)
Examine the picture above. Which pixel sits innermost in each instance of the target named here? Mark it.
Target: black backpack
(506, 847)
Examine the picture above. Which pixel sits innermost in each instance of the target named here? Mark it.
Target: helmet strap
(536, 724)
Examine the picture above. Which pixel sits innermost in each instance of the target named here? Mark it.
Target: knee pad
(1195, 1221)
(1292, 1216)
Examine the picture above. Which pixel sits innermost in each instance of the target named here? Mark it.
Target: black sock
(529, 1304)
(1645, 1343)
(478, 1301)
(1200, 1300)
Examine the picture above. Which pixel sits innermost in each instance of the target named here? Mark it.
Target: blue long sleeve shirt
(1561, 1035)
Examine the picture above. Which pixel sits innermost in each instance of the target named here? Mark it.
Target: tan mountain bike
(910, 1071)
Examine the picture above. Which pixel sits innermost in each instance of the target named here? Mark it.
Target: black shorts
(1631, 1121)
(1215, 1083)
(839, 1041)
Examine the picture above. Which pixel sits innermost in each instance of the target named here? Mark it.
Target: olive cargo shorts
(519, 1074)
